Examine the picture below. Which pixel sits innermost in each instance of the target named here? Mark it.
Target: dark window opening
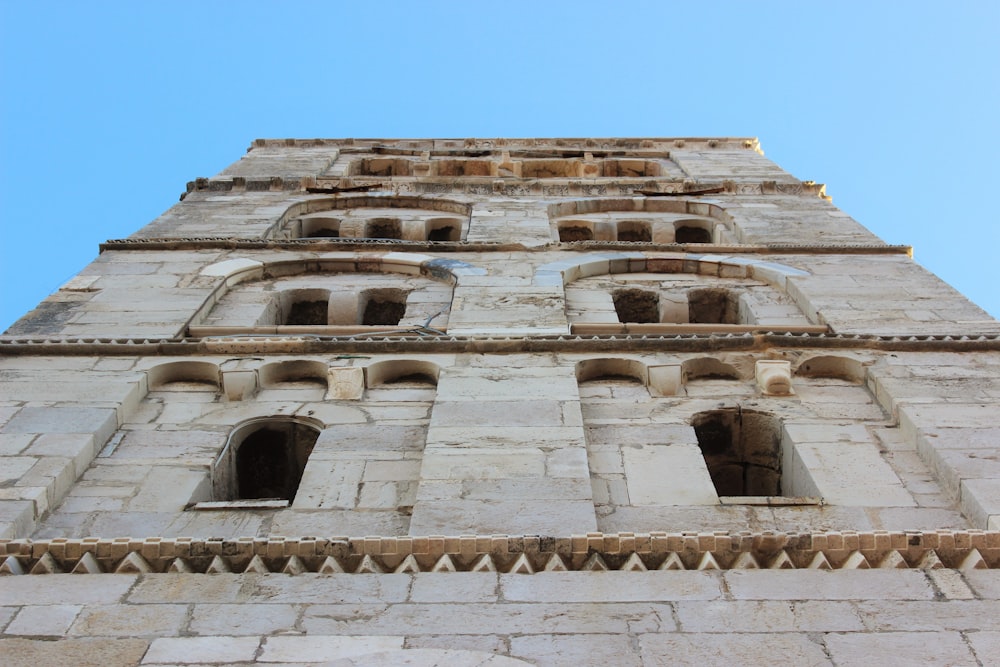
(380, 167)
(442, 234)
(271, 460)
(569, 234)
(384, 228)
(308, 313)
(384, 307)
(637, 305)
(713, 306)
(634, 232)
(463, 167)
(413, 378)
(692, 235)
(742, 449)
(320, 227)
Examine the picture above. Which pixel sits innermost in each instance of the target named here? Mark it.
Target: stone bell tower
(509, 401)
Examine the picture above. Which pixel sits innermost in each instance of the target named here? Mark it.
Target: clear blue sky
(109, 108)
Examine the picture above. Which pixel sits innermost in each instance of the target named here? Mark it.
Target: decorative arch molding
(242, 269)
(314, 207)
(726, 266)
(239, 270)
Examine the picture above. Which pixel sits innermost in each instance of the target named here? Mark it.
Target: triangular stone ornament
(555, 564)
(893, 560)
(856, 561)
(708, 562)
(672, 562)
(180, 566)
(218, 566)
(294, 566)
(973, 561)
(256, 565)
(634, 564)
(819, 562)
(369, 566)
(782, 562)
(521, 566)
(46, 565)
(331, 566)
(87, 565)
(594, 564)
(133, 564)
(409, 564)
(745, 561)
(444, 564)
(930, 561)
(11, 565)
(483, 564)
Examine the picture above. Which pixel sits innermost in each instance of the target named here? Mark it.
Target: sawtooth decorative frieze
(527, 554)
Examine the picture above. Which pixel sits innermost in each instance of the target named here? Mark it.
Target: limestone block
(514, 517)
(774, 377)
(181, 650)
(239, 385)
(853, 475)
(53, 620)
(930, 648)
(673, 474)
(664, 380)
(713, 648)
(345, 384)
(170, 489)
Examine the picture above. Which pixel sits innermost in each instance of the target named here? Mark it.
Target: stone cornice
(512, 187)
(515, 554)
(486, 143)
(497, 344)
(232, 243)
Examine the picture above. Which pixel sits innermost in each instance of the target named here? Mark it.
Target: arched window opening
(576, 230)
(444, 229)
(689, 234)
(306, 307)
(634, 231)
(382, 307)
(742, 449)
(320, 227)
(384, 228)
(712, 305)
(267, 461)
(636, 305)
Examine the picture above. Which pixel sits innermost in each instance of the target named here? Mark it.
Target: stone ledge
(498, 344)
(516, 554)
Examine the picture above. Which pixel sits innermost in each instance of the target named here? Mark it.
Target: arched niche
(832, 366)
(184, 376)
(708, 368)
(299, 372)
(398, 371)
(264, 459)
(589, 370)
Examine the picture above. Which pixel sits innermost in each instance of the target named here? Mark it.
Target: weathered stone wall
(505, 466)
